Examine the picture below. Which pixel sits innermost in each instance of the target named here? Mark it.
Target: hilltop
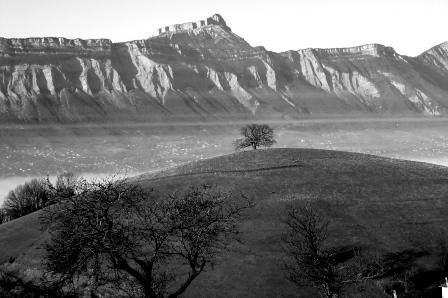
(386, 205)
(203, 70)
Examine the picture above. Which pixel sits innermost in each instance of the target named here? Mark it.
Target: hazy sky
(410, 26)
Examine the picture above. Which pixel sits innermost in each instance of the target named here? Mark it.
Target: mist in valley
(95, 151)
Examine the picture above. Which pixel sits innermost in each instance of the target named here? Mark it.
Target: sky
(410, 26)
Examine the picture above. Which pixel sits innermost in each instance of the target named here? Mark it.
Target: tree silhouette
(255, 135)
(315, 263)
(115, 233)
(36, 194)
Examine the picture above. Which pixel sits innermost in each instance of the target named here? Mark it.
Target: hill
(393, 207)
(204, 71)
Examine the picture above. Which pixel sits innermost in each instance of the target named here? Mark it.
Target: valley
(133, 148)
(350, 201)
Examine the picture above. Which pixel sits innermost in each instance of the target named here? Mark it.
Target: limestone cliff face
(203, 71)
(437, 57)
(373, 77)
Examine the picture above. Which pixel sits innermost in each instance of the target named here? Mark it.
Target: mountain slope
(203, 71)
(387, 205)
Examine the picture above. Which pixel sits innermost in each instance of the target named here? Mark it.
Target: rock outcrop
(203, 71)
(211, 21)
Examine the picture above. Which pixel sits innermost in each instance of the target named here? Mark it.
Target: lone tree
(115, 234)
(255, 135)
(329, 269)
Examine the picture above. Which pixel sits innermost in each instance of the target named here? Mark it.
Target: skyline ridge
(157, 33)
(279, 25)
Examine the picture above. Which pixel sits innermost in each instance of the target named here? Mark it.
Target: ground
(383, 204)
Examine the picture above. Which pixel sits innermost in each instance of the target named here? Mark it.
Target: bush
(17, 281)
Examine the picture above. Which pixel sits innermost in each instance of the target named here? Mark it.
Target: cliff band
(203, 71)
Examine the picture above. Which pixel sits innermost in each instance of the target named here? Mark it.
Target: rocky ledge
(215, 20)
(51, 45)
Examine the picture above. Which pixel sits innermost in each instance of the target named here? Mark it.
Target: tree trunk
(330, 292)
(149, 292)
(333, 294)
(254, 146)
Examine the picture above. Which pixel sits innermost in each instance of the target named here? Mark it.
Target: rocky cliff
(203, 71)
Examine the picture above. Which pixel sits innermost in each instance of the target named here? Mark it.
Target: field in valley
(92, 150)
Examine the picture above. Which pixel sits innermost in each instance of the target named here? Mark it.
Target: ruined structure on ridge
(213, 20)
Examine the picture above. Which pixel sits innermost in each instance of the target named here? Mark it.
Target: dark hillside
(392, 207)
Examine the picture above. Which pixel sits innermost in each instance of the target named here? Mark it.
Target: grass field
(383, 204)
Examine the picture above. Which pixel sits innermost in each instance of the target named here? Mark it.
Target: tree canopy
(255, 135)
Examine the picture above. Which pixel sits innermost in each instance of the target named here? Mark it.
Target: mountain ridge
(204, 71)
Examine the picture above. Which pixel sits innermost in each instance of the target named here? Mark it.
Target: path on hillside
(226, 171)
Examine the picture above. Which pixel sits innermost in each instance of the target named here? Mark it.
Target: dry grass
(386, 204)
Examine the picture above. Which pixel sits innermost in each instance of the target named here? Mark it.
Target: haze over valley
(132, 148)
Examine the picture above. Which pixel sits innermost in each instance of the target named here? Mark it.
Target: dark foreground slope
(386, 205)
(204, 71)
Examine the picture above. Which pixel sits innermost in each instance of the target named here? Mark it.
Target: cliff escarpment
(203, 71)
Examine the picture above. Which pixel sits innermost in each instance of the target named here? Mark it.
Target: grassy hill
(393, 207)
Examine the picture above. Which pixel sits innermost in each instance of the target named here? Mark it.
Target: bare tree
(64, 187)
(3, 216)
(129, 238)
(313, 263)
(255, 135)
(26, 198)
(36, 194)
